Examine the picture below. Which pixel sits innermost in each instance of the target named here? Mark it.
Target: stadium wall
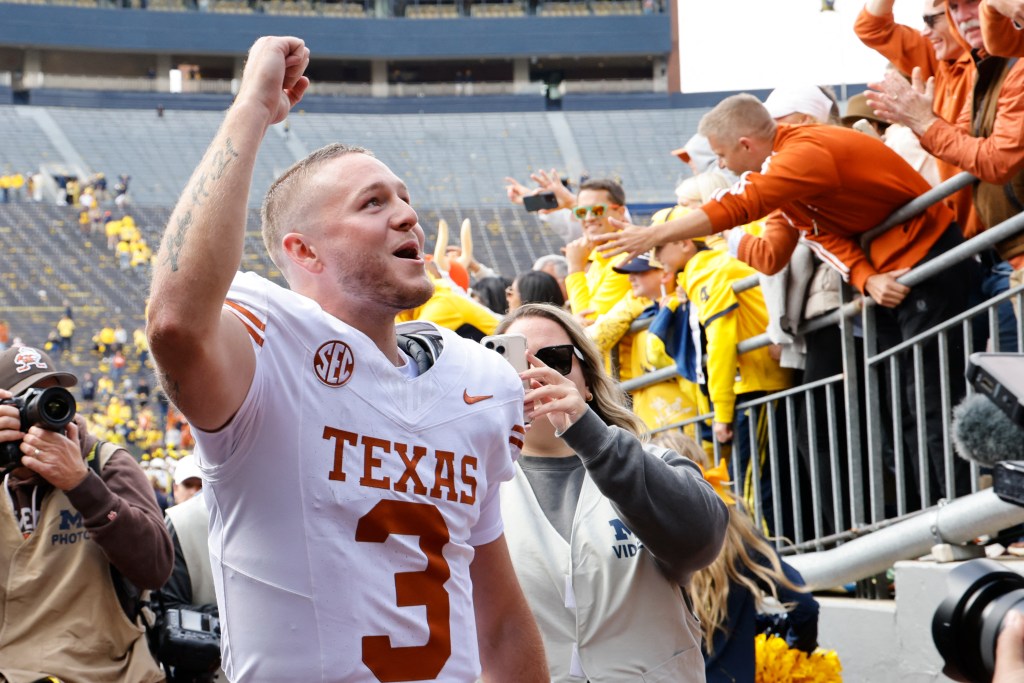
(369, 105)
(75, 28)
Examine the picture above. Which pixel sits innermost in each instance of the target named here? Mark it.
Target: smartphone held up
(542, 201)
(511, 347)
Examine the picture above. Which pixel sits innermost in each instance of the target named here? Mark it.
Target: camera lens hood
(52, 408)
(968, 620)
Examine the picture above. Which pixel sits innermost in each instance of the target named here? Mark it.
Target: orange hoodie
(1001, 37)
(1000, 156)
(906, 48)
(840, 183)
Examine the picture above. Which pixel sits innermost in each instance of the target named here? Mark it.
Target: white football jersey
(346, 497)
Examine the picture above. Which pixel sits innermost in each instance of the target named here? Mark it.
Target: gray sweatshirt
(660, 495)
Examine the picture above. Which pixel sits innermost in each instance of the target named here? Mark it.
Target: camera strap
(26, 518)
(100, 454)
(135, 603)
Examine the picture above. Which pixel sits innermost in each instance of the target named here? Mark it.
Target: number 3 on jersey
(422, 662)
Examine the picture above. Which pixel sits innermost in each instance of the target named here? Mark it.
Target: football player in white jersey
(351, 468)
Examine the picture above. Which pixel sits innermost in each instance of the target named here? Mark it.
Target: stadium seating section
(56, 263)
(448, 160)
(25, 145)
(455, 165)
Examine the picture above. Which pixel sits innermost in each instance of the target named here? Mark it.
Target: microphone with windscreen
(982, 432)
(988, 427)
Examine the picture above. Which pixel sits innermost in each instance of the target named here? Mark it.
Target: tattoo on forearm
(222, 158)
(176, 241)
(199, 190)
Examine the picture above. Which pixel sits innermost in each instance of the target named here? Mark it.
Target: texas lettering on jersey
(454, 477)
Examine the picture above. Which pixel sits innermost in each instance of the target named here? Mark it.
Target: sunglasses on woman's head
(559, 358)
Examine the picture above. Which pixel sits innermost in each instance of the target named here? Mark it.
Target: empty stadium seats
(497, 9)
(448, 160)
(431, 11)
(454, 164)
(343, 9)
(606, 7)
(25, 145)
(557, 8)
(56, 263)
(636, 147)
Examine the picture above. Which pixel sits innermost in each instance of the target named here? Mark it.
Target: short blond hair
(738, 116)
(286, 196)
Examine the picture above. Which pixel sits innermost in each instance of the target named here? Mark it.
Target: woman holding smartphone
(604, 531)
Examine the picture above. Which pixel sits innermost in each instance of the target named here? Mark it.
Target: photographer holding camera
(188, 655)
(80, 537)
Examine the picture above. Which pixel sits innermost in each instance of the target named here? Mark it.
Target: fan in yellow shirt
(452, 310)
(669, 401)
(727, 318)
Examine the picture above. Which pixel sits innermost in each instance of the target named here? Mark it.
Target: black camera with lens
(188, 642)
(51, 408)
(981, 593)
(968, 621)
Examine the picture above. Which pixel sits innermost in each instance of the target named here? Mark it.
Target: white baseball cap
(187, 469)
(802, 99)
(697, 151)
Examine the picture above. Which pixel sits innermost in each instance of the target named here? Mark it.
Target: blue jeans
(995, 279)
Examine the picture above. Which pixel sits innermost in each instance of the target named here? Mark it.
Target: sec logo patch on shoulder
(334, 363)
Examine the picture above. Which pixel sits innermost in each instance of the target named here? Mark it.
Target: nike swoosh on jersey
(474, 399)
